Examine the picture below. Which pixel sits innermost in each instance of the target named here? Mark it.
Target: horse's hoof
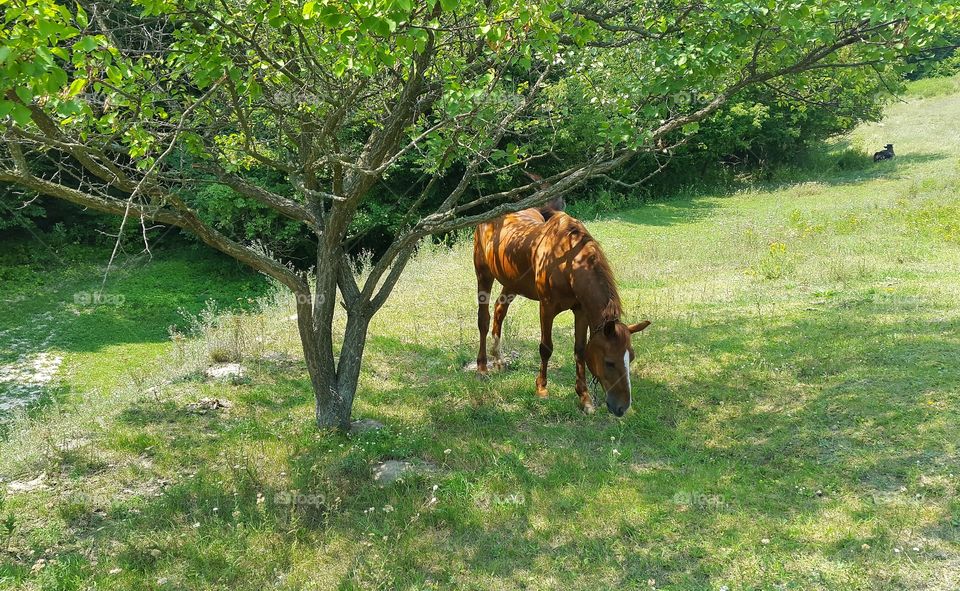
(498, 366)
(482, 375)
(542, 392)
(588, 409)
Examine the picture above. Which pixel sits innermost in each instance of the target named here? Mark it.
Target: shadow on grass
(828, 400)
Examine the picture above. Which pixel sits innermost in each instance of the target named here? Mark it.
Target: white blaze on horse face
(626, 368)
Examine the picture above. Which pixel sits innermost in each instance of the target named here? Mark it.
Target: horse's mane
(614, 308)
(605, 280)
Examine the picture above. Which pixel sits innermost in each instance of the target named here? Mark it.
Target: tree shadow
(667, 212)
(530, 478)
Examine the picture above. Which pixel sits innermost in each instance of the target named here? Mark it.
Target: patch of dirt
(205, 405)
(224, 371)
(25, 486)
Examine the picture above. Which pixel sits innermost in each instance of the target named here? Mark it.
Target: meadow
(794, 423)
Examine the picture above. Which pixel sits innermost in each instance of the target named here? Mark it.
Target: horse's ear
(610, 328)
(638, 326)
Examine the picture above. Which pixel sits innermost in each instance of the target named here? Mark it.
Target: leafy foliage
(85, 78)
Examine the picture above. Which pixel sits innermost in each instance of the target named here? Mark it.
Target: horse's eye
(609, 363)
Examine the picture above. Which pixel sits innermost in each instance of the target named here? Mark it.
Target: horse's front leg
(547, 315)
(585, 401)
(484, 285)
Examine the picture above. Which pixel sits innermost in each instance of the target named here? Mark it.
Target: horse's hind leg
(484, 287)
(547, 315)
(499, 313)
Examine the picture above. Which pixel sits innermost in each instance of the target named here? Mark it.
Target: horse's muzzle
(617, 408)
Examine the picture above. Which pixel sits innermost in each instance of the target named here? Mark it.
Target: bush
(940, 62)
(247, 220)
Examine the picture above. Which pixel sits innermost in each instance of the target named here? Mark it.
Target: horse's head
(608, 356)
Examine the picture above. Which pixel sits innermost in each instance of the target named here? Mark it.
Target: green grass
(793, 427)
(931, 87)
(49, 304)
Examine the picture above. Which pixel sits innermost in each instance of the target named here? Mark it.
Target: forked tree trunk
(334, 379)
(334, 404)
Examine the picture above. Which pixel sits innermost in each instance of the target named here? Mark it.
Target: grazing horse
(546, 255)
(885, 154)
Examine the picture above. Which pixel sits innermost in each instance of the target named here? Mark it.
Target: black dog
(885, 154)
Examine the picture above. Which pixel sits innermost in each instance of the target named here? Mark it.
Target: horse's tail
(550, 207)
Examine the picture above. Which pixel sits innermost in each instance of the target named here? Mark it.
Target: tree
(135, 104)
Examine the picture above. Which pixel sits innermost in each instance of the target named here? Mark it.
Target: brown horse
(548, 256)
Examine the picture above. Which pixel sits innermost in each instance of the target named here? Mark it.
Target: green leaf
(82, 19)
(449, 5)
(309, 9)
(76, 87)
(25, 94)
(69, 107)
(336, 20)
(379, 26)
(114, 74)
(21, 114)
(691, 128)
(87, 44)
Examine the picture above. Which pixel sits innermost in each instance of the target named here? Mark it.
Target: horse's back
(504, 247)
(529, 253)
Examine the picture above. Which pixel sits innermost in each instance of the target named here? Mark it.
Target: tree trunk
(334, 383)
(348, 372)
(335, 391)
(334, 406)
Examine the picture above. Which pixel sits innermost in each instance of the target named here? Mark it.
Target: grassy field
(794, 422)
